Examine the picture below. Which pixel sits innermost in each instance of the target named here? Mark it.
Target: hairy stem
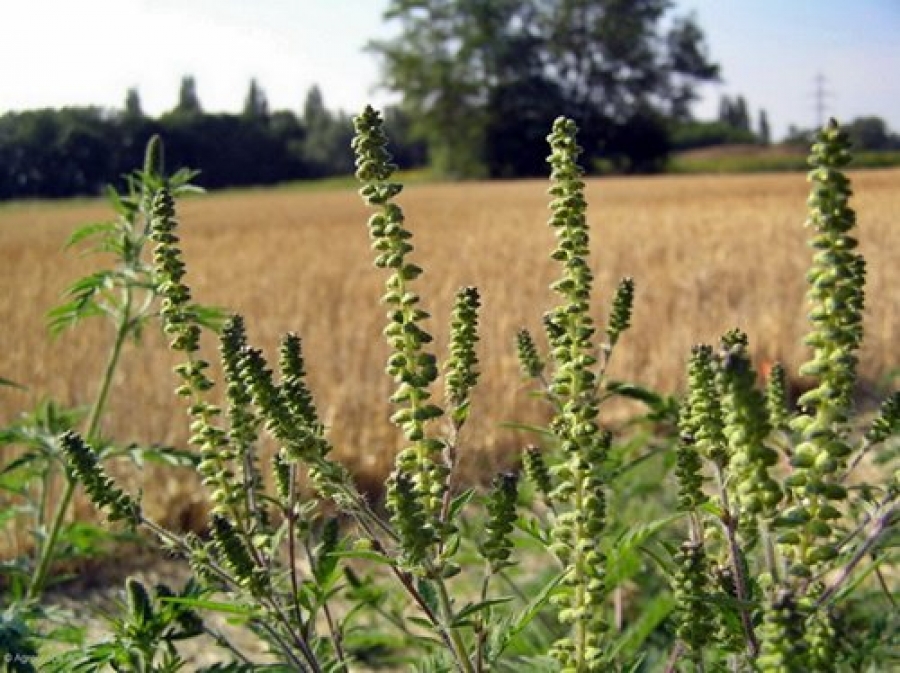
(48, 549)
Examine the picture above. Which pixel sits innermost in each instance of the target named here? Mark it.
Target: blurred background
(263, 92)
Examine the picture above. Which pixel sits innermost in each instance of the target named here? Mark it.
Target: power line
(821, 94)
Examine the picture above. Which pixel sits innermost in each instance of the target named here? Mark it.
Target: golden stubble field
(707, 254)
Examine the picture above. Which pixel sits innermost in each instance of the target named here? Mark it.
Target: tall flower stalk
(584, 445)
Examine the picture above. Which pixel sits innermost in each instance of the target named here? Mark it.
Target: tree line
(79, 150)
(479, 83)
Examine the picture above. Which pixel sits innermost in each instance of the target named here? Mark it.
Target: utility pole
(820, 95)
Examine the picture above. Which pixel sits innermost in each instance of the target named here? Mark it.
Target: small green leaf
(460, 619)
(213, 606)
(89, 231)
(531, 610)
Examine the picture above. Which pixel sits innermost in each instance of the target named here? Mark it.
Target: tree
(256, 105)
(328, 136)
(765, 132)
(871, 133)
(465, 67)
(133, 108)
(188, 100)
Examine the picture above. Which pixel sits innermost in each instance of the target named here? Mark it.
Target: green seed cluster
(501, 507)
(180, 324)
(178, 319)
(836, 298)
(300, 440)
(101, 489)
(620, 314)
(887, 423)
(782, 646)
(691, 588)
(704, 423)
(234, 552)
(777, 396)
(537, 472)
(581, 480)
(746, 427)
(529, 360)
(689, 466)
(418, 484)
(462, 366)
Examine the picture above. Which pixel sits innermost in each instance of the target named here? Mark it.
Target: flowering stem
(48, 549)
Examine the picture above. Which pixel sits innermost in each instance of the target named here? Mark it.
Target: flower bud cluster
(689, 466)
(462, 366)
(178, 319)
(501, 507)
(287, 421)
(581, 480)
(703, 420)
(233, 551)
(529, 360)
(620, 315)
(836, 299)
(691, 588)
(746, 427)
(101, 489)
(887, 423)
(537, 472)
(418, 484)
(782, 645)
(777, 396)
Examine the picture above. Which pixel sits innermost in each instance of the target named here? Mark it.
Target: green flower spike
(501, 507)
(536, 470)
(620, 315)
(695, 617)
(836, 301)
(410, 520)
(570, 330)
(689, 467)
(777, 396)
(887, 423)
(178, 319)
(420, 471)
(529, 360)
(235, 554)
(103, 492)
(782, 648)
(296, 392)
(746, 427)
(705, 423)
(462, 366)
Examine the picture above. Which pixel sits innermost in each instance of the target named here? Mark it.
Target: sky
(90, 52)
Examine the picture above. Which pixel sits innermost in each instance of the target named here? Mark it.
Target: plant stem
(882, 524)
(48, 550)
(458, 647)
(740, 581)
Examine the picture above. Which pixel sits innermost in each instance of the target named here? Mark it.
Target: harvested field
(706, 253)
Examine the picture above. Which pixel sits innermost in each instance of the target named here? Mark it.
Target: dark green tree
(256, 105)
(328, 136)
(871, 133)
(473, 71)
(133, 107)
(764, 132)
(188, 100)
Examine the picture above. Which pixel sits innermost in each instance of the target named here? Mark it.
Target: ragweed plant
(127, 298)
(785, 530)
(780, 544)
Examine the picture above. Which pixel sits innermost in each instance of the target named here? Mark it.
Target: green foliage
(764, 558)
(483, 79)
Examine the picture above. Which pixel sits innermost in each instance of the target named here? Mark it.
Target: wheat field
(706, 253)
